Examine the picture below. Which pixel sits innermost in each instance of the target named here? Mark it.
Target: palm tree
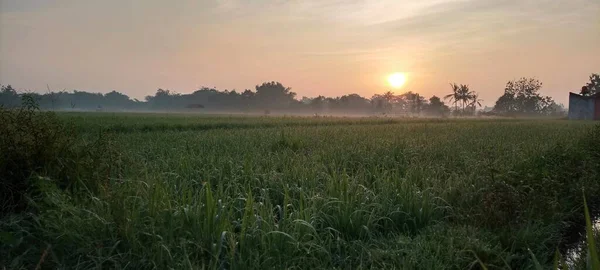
(454, 97)
(465, 95)
(475, 101)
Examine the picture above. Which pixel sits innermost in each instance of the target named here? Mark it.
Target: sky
(316, 47)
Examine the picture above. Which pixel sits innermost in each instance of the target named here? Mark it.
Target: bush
(37, 145)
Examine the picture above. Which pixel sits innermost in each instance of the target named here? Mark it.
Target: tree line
(521, 97)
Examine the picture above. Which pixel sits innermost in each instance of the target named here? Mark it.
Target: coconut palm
(475, 102)
(454, 97)
(464, 95)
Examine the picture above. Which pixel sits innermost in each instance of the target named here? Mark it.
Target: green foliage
(592, 87)
(592, 257)
(436, 107)
(469, 100)
(274, 95)
(9, 98)
(37, 146)
(592, 253)
(31, 142)
(521, 98)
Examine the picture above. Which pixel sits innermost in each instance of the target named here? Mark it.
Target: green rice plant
(235, 192)
(593, 257)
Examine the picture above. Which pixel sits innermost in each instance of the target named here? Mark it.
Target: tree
(9, 96)
(378, 103)
(388, 96)
(460, 94)
(53, 97)
(454, 97)
(115, 99)
(556, 110)
(474, 102)
(247, 94)
(585, 91)
(465, 96)
(318, 103)
(85, 100)
(410, 102)
(521, 97)
(353, 102)
(8, 90)
(592, 87)
(166, 99)
(384, 103)
(247, 97)
(505, 104)
(406, 103)
(436, 107)
(274, 95)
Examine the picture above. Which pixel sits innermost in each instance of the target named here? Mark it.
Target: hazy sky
(314, 46)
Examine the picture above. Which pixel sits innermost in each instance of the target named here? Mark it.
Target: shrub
(30, 142)
(38, 145)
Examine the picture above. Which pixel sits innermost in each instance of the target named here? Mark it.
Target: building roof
(594, 96)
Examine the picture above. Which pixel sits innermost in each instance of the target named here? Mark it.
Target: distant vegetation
(521, 98)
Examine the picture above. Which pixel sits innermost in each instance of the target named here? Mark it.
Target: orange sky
(314, 46)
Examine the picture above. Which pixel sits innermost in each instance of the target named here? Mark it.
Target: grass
(314, 193)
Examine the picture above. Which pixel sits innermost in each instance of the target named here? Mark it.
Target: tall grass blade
(536, 263)
(593, 256)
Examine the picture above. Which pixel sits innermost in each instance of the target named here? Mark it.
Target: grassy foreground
(190, 192)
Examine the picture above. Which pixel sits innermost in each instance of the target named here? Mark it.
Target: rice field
(235, 192)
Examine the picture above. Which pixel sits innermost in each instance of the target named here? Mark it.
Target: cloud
(348, 52)
(481, 24)
(492, 15)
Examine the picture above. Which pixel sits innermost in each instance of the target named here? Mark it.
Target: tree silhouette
(411, 102)
(454, 97)
(521, 97)
(354, 102)
(389, 96)
(115, 99)
(436, 107)
(274, 95)
(318, 103)
(474, 102)
(9, 96)
(592, 87)
(385, 102)
(464, 94)
(460, 94)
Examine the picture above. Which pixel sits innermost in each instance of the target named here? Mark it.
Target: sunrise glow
(397, 79)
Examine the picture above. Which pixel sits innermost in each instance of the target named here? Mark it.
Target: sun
(397, 79)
